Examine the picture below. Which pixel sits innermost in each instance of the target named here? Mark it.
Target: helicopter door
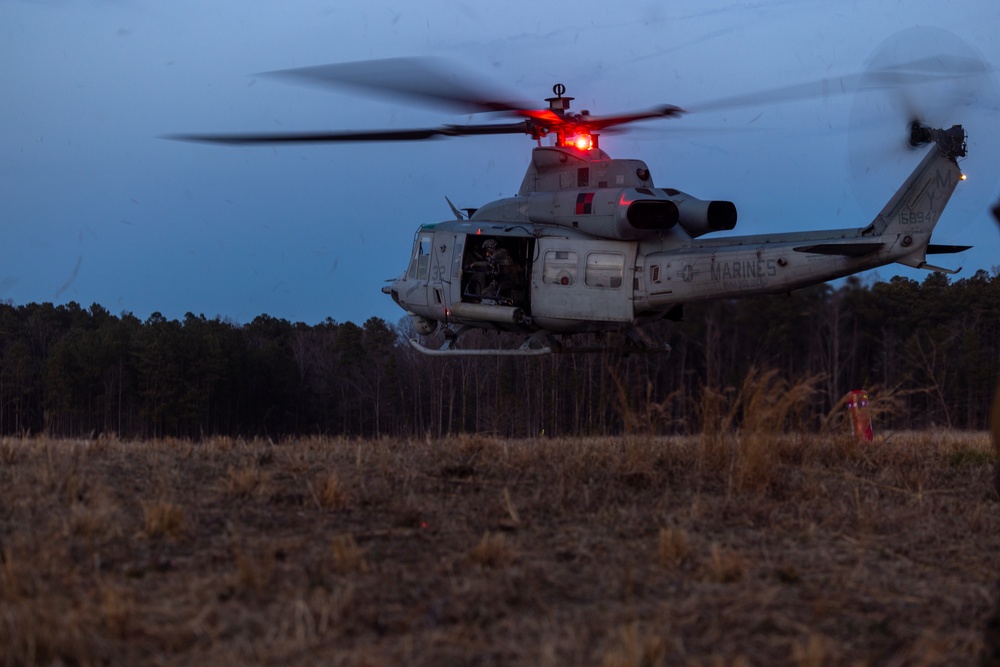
(584, 280)
(419, 271)
(439, 282)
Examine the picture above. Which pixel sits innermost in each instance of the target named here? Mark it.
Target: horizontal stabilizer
(851, 249)
(937, 249)
(930, 267)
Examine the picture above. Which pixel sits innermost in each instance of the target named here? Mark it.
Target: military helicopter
(589, 244)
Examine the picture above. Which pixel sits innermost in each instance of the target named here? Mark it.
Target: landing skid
(447, 351)
(539, 344)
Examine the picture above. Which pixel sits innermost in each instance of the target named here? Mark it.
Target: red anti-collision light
(583, 142)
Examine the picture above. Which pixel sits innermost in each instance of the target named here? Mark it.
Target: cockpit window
(420, 266)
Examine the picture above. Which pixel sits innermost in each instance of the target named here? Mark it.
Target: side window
(560, 267)
(605, 269)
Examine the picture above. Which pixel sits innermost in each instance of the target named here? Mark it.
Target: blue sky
(96, 207)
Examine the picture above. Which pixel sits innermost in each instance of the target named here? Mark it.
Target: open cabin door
(495, 270)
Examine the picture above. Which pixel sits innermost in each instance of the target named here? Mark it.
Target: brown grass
(329, 492)
(493, 550)
(738, 547)
(347, 556)
(162, 519)
(673, 547)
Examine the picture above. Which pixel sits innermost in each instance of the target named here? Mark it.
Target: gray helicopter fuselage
(592, 245)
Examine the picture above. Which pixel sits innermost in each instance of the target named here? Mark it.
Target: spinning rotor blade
(598, 123)
(437, 82)
(944, 67)
(426, 80)
(429, 81)
(361, 135)
(530, 126)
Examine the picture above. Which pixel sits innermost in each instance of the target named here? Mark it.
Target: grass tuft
(117, 611)
(814, 651)
(246, 482)
(493, 550)
(162, 519)
(673, 547)
(635, 649)
(329, 492)
(255, 568)
(723, 566)
(744, 430)
(10, 451)
(971, 457)
(347, 556)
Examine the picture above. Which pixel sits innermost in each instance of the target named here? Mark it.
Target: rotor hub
(950, 143)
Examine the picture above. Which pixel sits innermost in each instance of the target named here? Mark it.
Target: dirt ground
(723, 550)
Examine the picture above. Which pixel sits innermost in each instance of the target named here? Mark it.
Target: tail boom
(906, 222)
(773, 263)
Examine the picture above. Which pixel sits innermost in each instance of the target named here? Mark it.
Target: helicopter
(589, 244)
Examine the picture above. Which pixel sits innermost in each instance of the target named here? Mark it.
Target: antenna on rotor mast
(559, 104)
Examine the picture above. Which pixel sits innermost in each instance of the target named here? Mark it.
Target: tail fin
(915, 208)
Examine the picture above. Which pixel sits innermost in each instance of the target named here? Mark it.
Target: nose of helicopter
(391, 290)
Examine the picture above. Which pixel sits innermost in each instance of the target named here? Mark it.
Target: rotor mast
(568, 132)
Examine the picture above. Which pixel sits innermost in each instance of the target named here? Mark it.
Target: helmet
(489, 245)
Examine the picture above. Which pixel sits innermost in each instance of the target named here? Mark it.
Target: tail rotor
(919, 84)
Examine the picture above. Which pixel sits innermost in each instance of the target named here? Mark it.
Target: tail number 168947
(917, 217)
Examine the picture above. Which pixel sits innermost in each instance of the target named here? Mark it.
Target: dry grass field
(723, 549)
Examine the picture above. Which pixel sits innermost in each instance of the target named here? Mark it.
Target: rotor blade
(417, 134)
(598, 123)
(428, 80)
(944, 64)
(924, 70)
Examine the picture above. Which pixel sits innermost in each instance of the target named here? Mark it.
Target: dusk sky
(97, 207)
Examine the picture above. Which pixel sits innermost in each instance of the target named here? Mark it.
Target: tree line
(70, 371)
